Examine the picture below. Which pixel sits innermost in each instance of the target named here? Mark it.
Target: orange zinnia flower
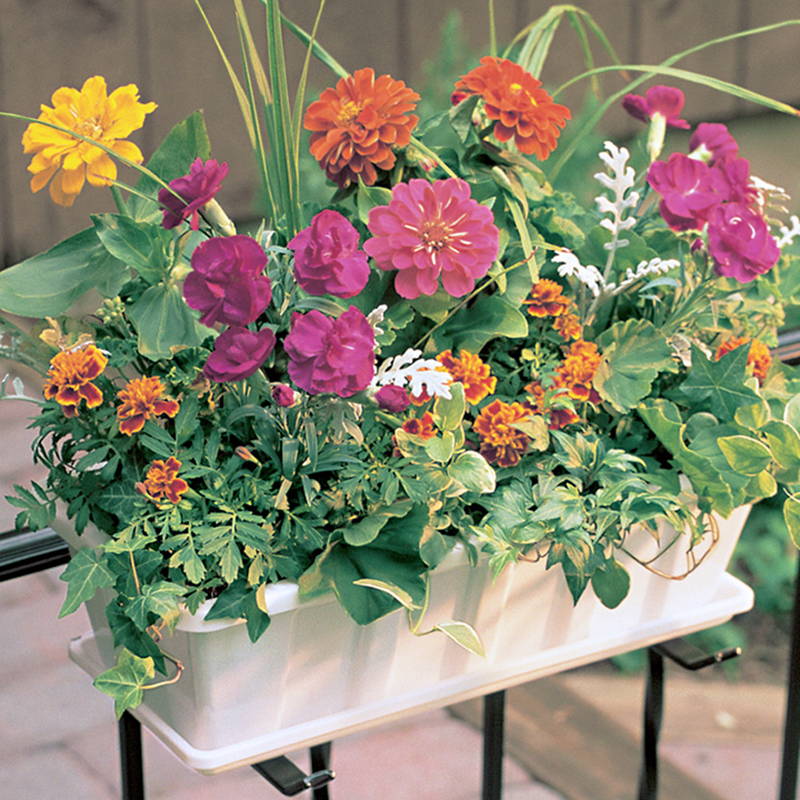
(420, 426)
(95, 114)
(577, 371)
(141, 400)
(758, 359)
(355, 126)
(546, 299)
(162, 481)
(513, 98)
(69, 379)
(472, 372)
(557, 418)
(500, 442)
(568, 326)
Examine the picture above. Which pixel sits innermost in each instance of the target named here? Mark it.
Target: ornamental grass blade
(300, 95)
(536, 46)
(252, 53)
(319, 51)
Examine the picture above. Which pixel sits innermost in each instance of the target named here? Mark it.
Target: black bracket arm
(290, 780)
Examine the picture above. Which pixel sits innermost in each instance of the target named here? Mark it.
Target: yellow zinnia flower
(93, 113)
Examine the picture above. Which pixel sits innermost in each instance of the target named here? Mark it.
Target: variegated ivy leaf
(126, 680)
(86, 573)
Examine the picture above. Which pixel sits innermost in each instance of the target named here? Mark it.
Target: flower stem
(119, 200)
(426, 151)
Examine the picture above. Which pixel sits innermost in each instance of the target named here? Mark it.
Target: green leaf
(791, 515)
(229, 604)
(187, 141)
(256, 619)
(367, 529)
(745, 454)
(163, 321)
(473, 472)
(137, 244)
(784, 443)
(49, 283)
(448, 413)
(464, 635)
(126, 634)
(125, 681)
(440, 448)
(489, 317)
(611, 583)
(86, 572)
(634, 353)
(160, 598)
(120, 498)
(368, 197)
(754, 416)
(718, 386)
(791, 412)
(402, 597)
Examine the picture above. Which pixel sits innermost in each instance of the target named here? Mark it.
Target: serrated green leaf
(86, 572)
(126, 680)
(464, 635)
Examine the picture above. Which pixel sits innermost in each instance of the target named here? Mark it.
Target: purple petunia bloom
(331, 355)
(687, 193)
(238, 353)
(327, 259)
(226, 283)
(195, 189)
(716, 142)
(393, 398)
(665, 100)
(740, 242)
(730, 179)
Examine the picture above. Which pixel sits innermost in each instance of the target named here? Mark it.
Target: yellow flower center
(435, 235)
(348, 113)
(91, 128)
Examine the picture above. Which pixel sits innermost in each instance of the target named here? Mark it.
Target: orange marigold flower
(420, 426)
(141, 400)
(93, 113)
(500, 442)
(546, 299)
(419, 399)
(557, 418)
(758, 359)
(163, 483)
(355, 126)
(472, 372)
(520, 107)
(568, 326)
(69, 379)
(577, 371)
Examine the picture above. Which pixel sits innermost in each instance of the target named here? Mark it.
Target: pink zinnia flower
(430, 230)
(196, 189)
(665, 100)
(327, 259)
(331, 356)
(227, 283)
(740, 242)
(238, 353)
(712, 142)
(687, 194)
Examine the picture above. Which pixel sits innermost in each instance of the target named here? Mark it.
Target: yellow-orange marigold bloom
(500, 442)
(355, 125)
(470, 370)
(141, 400)
(546, 299)
(557, 418)
(577, 371)
(420, 426)
(69, 379)
(68, 162)
(162, 481)
(758, 358)
(568, 326)
(520, 107)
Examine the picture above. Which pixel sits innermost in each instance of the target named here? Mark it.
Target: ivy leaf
(718, 386)
(126, 680)
(86, 572)
(634, 353)
(745, 454)
(230, 601)
(367, 529)
(160, 598)
(126, 634)
(120, 498)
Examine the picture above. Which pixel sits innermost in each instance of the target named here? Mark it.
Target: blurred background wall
(165, 48)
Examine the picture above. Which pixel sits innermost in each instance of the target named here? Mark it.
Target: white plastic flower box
(315, 674)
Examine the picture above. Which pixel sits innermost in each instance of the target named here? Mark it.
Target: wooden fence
(163, 46)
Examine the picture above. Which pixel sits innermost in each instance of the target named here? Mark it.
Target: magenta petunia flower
(433, 230)
(393, 398)
(730, 179)
(665, 100)
(740, 242)
(327, 259)
(238, 353)
(331, 355)
(714, 142)
(196, 189)
(227, 283)
(687, 193)
(284, 395)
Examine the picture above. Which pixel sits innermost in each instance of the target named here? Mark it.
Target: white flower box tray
(315, 675)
